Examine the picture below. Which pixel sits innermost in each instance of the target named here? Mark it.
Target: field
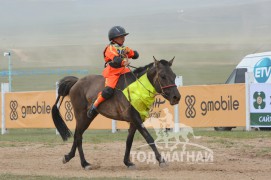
(197, 63)
(38, 153)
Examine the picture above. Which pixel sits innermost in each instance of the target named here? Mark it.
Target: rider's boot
(92, 112)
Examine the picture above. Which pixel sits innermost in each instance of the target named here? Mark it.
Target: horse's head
(163, 79)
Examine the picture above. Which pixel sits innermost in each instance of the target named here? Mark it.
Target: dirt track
(245, 159)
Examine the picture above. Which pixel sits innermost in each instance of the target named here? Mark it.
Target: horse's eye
(163, 77)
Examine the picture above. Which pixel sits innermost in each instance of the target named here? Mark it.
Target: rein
(132, 67)
(137, 79)
(156, 79)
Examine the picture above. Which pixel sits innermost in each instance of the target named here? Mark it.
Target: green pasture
(40, 82)
(196, 75)
(49, 137)
(198, 64)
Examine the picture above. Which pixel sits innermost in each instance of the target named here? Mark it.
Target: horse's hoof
(163, 165)
(88, 167)
(131, 167)
(64, 160)
(91, 167)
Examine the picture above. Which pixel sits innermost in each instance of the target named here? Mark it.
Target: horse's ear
(155, 61)
(171, 61)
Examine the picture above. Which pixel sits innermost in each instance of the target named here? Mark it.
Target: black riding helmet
(116, 31)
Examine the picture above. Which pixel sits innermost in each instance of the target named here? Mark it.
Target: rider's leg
(99, 100)
(105, 94)
(110, 84)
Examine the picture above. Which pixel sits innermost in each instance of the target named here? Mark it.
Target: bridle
(159, 82)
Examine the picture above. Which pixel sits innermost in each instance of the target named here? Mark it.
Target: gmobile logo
(172, 149)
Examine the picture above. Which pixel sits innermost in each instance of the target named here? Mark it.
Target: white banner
(260, 98)
(260, 104)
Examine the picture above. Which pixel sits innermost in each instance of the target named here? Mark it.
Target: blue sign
(262, 70)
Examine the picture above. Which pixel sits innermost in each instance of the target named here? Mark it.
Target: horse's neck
(150, 74)
(138, 75)
(128, 78)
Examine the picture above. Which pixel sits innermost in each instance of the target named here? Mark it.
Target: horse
(85, 90)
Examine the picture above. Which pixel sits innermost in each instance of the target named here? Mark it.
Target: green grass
(226, 143)
(235, 134)
(49, 137)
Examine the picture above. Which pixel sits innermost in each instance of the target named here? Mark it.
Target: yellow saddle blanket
(142, 94)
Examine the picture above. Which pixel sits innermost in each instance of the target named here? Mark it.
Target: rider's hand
(126, 51)
(125, 63)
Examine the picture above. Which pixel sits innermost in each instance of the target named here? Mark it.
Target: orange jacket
(112, 51)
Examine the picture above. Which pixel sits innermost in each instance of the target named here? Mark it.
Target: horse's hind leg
(129, 143)
(81, 126)
(71, 154)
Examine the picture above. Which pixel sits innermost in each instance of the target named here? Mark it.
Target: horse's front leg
(144, 132)
(129, 143)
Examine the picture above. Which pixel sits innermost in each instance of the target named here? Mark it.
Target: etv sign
(262, 70)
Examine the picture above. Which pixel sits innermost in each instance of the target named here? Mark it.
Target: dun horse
(117, 107)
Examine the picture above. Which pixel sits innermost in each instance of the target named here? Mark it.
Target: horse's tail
(64, 87)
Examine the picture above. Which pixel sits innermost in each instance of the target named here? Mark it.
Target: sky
(52, 22)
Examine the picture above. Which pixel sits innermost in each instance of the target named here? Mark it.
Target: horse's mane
(142, 69)
(137, 73)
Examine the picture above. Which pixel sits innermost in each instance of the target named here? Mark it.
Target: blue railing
(41, 72)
